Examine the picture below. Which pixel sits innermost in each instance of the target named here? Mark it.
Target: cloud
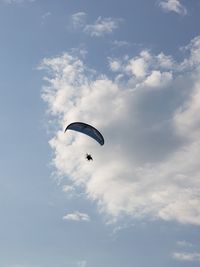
(71, 191)
(148, 114)
(118, 44)
(141, 68)
(100, 27)
(76, 216)
(173, 6)
(183, 256)
(68, 189)
(79, 19)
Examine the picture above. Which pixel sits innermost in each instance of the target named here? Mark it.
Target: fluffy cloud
(174, 6)
(100, 27)
(184, 256)
(149, 116)
(76, 216)
(145, 67)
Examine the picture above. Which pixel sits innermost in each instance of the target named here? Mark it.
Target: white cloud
(137, 67)
(99, 28)
(189, 257)
(115, 65)
(173, 6)
(68, 189)
(149, 165)
(118, 44)
(165, 61)
(102, 26)
(194, 49)
(152, 71)
(79, 19)
(76, 216)
(158, 79)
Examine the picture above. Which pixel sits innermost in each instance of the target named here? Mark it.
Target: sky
(130, 68)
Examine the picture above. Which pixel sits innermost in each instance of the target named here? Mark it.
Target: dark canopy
(86, 129)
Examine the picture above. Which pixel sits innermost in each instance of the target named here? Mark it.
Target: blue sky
(132, 69)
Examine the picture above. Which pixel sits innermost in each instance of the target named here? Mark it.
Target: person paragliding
(89, 157)
(88, 130)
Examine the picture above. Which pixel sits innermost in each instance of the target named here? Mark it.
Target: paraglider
(88, 130)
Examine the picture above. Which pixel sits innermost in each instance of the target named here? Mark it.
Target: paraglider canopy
(86, 129)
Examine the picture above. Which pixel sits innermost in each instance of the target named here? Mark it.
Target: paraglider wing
(86, 129)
